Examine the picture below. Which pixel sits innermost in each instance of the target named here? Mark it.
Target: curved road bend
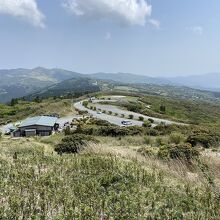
(110, 118)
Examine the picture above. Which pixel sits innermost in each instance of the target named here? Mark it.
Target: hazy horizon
(144, 37)
(156, 76)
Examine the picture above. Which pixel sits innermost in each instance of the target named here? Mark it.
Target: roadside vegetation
(20, 109)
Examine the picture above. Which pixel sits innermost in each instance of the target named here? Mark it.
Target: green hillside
(20, 82)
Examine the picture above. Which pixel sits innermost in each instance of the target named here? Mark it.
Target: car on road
(99, 112)
(126, 122)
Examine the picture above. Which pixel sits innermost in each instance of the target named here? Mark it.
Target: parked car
(7, 132)
(99, 112)
(66, 124)
(126, 122)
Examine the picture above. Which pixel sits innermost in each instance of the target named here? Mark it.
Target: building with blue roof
(40, 125)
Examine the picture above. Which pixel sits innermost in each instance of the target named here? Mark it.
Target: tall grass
(46, 186)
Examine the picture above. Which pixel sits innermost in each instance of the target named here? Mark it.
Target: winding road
(110, 118)
(117, 119)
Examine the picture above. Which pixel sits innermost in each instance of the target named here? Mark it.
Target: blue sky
(153, 37)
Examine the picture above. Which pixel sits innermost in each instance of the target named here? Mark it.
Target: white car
(126, 122)
(99, 112)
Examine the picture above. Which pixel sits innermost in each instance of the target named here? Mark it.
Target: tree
(141, 118)
(163, 108)
(37, 99)
(14, 102)
(131, 116)
(85, 104)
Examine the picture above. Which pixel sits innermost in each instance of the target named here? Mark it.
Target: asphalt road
(119, 111)
(110, 118)
(117, 119)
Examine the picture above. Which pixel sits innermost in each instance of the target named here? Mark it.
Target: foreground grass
(36, 183)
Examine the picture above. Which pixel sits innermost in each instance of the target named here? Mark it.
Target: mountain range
(16, 83)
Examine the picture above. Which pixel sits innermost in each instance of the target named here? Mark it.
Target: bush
(110, 130)
(147, 151)
(151, 120)
(160, 141)
(146, 124)
(110, 112)
(162, 109)
(73, 144)
(152, 132)
(85, 103)
(205, 138)
(180, 151)
(141, 118)
(131, 116)
(176, 138)
(147, 140)
(82, 112)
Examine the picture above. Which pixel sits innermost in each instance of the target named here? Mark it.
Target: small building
(40, 125)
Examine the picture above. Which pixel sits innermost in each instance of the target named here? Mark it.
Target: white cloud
(155, 23)
(125, 12)
(196, 29)
(108, 36)
(24, 9)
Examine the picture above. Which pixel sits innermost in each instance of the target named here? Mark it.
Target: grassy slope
(109, 179)
(25, 109)
(106, 180)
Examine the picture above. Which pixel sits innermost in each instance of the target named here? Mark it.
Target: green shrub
(131, 116)
(110, 130)
(147, 151)
(146, 124)
(160, 141)
(151, 120)
(110, 112)
(152, 132)
(205, 138)
(176, 138)
(82, 112)
(73, 144)
(141, 118)
(162, 108)
(180, 151)
(147, 140)
(85, 103)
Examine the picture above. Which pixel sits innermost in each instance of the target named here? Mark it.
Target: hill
(208, 81)
(129, 78)
(20, 82)
(205, 82)
(68, 87)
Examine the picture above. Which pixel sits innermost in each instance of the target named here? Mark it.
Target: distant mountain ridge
(15, 83)
(129, 78)
(209, 81)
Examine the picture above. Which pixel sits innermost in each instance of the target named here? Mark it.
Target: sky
(147, 37)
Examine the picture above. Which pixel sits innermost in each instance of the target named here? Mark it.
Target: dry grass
(176, 171)
(127, 149)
